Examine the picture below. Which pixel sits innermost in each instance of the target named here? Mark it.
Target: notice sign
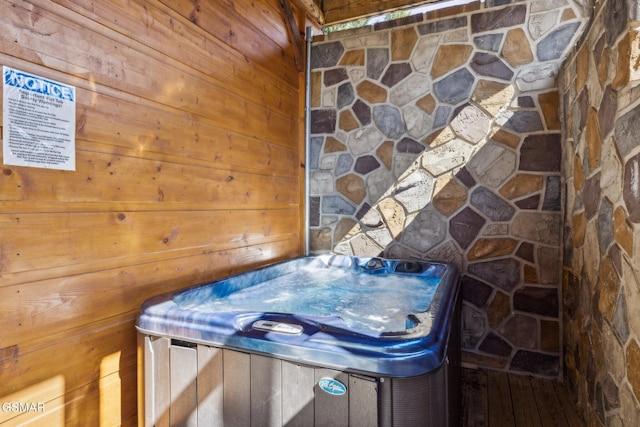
(39, 121)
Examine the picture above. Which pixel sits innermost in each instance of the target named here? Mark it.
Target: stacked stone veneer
(601, 282)
(437, 137)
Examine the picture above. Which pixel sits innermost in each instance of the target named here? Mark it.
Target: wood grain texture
(188, 146)
(491, 398)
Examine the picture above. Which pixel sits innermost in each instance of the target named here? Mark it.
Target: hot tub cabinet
(212, 357)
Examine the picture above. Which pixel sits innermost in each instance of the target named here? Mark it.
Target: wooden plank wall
(188, 145)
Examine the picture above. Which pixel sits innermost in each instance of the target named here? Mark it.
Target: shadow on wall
(441, 140)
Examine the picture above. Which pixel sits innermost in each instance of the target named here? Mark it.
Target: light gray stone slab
(447, 157)
(414, 192)
(426, 230)
(364, 140)
(493, 164)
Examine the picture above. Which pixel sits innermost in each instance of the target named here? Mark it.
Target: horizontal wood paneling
(166, 34)
(188, 147)
(105, 177)
(126, 66)
(37, 309)
(68, 239)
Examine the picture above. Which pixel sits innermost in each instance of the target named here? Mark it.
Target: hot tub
(326, 341)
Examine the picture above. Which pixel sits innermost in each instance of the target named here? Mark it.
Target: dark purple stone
(366, 207)
(503, 18)
(525, 252)
(323, 121)
(529, 203)
(536, 363)
(335, 76)
(465, 177)
(503, 273)
(542, 301)
(475, 292)
(492, 205)
(366, 164)
(525, 102)
(408, 145)
(464, 227)
(541, 153)
(493, 344)
(396, 73)
(326, 55)
(490, 65)
(591, 195)
(362, 112)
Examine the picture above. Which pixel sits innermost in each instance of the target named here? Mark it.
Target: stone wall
(437, 136)
(601, 162)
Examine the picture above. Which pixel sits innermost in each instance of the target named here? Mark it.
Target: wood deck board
(525, 409)
(549, 407)
(474, 402)
(497, 399)
(569, 408)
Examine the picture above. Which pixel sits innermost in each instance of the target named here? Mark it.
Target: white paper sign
(39, 121)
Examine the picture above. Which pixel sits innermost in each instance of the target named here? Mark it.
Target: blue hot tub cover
(364, 315)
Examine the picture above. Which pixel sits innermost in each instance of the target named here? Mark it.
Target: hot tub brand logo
(331, 386)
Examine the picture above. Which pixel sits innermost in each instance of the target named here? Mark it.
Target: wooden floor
(496, 399)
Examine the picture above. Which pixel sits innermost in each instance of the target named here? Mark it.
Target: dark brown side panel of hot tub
(431, 400)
